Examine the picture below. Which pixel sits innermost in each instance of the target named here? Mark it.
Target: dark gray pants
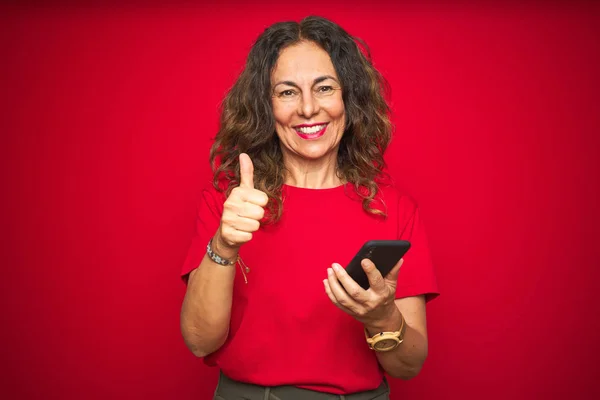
(228, 389)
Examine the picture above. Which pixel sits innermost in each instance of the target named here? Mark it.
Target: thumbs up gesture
(243, 209)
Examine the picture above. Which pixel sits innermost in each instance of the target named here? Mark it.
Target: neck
(312, 174)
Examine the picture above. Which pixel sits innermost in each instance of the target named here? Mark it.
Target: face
(307, 103)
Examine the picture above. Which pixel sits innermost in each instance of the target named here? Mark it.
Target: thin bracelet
(217, 258)
(221, 261)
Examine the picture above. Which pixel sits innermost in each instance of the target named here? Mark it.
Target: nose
(308, 106)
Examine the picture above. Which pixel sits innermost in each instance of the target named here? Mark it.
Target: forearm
(406, 360)
(206, 309)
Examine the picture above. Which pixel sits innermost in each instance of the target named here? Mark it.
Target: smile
(309, 132)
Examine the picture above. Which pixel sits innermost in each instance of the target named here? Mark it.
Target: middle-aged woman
(299, 186)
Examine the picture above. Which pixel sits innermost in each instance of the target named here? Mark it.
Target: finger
(349, 285)
(376, 281)
(332, 297)
(393, 274)
(245, 224)
(241, 195)
(340, 294)
(232, 219)
(256, 196)
(246, 171)
(253, 211)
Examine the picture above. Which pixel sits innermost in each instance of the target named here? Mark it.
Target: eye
(325, 89)
(287, 93)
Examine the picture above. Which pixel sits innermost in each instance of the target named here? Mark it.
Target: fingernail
(336, 267)
(329, 271)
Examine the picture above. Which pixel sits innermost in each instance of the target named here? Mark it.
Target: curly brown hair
(247, 124)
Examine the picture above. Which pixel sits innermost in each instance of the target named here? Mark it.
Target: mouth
(310, 131)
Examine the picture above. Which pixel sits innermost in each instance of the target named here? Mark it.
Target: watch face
(386, 344)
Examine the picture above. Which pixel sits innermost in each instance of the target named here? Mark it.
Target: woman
(299, 187)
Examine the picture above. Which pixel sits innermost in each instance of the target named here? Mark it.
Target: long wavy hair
(247, 124)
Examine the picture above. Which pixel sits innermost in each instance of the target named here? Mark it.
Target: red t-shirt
(284, 329)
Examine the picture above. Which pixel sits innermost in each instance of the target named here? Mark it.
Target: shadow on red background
(107, 118)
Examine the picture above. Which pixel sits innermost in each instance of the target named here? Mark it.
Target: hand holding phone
(385, 254)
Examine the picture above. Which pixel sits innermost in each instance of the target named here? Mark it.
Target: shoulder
(210, 197)
(395, 196)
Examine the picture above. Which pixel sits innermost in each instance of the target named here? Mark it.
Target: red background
(107, 115)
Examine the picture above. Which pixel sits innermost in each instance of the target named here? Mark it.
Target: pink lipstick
(310, 131)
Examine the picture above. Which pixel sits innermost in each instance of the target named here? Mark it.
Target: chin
(314, 155)
(315, 151)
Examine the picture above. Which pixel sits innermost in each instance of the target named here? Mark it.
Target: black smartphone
(384, 254)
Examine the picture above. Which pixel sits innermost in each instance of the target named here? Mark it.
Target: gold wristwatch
(386, 341)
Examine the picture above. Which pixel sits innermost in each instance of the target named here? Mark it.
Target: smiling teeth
(312, 129)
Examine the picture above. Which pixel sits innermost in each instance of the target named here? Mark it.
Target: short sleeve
(209, 211)
(417, 276)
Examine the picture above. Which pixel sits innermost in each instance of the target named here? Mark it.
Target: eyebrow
(315, 82)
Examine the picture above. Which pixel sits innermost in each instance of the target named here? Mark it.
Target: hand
(242, 211)
(367, 306)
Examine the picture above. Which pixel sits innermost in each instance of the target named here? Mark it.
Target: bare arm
(377, 309)
(206, 308)
(406, 360)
